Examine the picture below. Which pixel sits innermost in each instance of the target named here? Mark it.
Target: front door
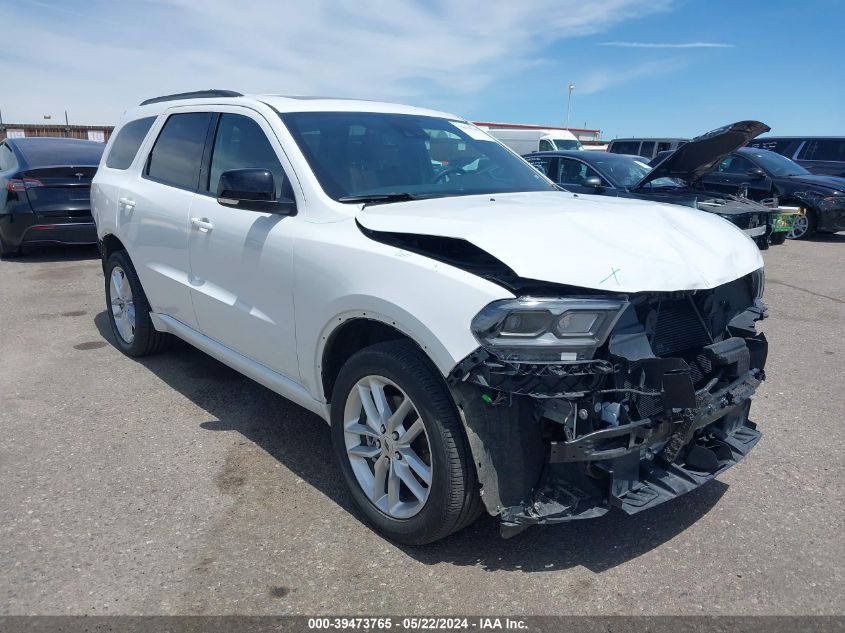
(734, 175)
(242, 260)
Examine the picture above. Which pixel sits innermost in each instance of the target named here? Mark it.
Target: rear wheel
(803, 225)
(7, 251)
(777, 239)
(129, 310)
(401, 445)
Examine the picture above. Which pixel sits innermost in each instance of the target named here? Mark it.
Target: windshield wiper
(382, 198)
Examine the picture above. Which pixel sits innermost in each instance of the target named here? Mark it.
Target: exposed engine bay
(657, 408)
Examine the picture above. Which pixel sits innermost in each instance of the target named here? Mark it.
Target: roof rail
(197, 94)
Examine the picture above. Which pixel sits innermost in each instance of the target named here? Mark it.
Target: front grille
(678, 328)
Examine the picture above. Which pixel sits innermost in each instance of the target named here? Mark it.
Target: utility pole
(569, 104)
(67, 125)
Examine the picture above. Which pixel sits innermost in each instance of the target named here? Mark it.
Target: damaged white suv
(477, 338)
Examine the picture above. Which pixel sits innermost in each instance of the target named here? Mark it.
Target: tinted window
(824, 149)
(240, 143)
(49, 152)
(775, 164)
(7, 158)
(625, 147)
(128, 141)
(371, 153)
(663, 147)
(177, 153)
(574, 172)
(545, 146)
(647, 149)
(786, 147)
(542, 163)
(735, 165)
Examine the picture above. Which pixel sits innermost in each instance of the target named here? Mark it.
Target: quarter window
(240, 143)
(7, 158)
(177, 154)
(128, 140)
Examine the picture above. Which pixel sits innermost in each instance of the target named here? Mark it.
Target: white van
(524, 141)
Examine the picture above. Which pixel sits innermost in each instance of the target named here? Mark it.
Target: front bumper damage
(556, 442)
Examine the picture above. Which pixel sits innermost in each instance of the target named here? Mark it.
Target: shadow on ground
(827, 237)
(44, 253)
(301, 442)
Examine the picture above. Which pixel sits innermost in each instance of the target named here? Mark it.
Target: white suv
(476, 337)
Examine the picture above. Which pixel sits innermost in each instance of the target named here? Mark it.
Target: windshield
(567, 144)
(359, 154)
(627, 171)
(776, 164)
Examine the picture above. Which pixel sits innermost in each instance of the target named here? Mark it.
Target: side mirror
(252, 189)
(594, 182)
(756, 174)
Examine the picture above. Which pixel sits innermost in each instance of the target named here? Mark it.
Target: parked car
(764, 175)
(822, 155)
(675, 180)
(476, 338)
(524, 141)
(648, 148)
(45, 186)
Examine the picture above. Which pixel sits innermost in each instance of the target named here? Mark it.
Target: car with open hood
(761, 174)
(477, 339)
(674, 180)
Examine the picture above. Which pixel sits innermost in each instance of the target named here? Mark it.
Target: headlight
(758, 283)
(546, 328)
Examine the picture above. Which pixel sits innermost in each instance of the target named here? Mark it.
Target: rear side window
(543, 164)
(625, 147)
(240, 143)
(177, 154)
(647, 149)
(128, 141)
(824, 149)
(7, 158)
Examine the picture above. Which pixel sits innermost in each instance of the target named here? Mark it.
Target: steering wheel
(446, 172)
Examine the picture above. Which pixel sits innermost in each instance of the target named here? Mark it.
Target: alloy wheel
(122, 304)
(800, 226)
(387, 446)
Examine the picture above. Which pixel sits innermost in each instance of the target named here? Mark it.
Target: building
(585, 135)
(89, 132)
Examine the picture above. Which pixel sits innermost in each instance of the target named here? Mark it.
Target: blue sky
(640, 67)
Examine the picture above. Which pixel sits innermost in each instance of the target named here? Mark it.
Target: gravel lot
(174, 485)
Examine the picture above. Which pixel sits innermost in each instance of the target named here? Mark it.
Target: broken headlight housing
(547, 329)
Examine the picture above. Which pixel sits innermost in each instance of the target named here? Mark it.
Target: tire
(136, 335)
(777, 239)
(400, 371)
(807, 227)
(7, 252)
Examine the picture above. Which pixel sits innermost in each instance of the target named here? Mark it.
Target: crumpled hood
(703, 153)
(613, 244)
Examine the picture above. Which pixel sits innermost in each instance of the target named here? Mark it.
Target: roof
(650, 138)
(284, 104)
(526, 126)
(798, 138)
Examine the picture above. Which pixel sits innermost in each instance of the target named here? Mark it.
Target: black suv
(823, 155)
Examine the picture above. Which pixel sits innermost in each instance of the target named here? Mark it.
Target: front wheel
(777, 239)
(401, 445)
(803, 225)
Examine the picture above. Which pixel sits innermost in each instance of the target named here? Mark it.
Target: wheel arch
(353, 331)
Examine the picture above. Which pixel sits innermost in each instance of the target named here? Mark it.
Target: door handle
(127, 203)
(203, 225)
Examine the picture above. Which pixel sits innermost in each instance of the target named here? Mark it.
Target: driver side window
(240, 143)
(574, 172)
(546, 146)
(735, 165)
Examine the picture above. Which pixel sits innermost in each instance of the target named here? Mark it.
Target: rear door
(154, 207)
(242, 260)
